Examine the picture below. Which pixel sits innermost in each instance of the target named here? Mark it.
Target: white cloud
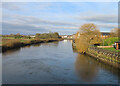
(35, 20)
(103, 18)
(107, 25)
(35, 24)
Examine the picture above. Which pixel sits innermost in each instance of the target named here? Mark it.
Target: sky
(63, 17)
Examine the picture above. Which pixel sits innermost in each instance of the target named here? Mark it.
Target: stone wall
(106, 56)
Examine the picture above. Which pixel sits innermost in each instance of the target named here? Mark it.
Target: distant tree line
(38, 35)
(17, 36)
(47, 35)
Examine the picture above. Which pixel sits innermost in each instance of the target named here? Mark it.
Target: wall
(108, 57)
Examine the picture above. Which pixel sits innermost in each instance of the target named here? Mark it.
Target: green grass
(8, 37)
(110, 41)
(112, 49)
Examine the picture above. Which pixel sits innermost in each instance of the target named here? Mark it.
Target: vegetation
(86, 36)
(47, 35)
(16, 41)
(110, 41)
(16, 36)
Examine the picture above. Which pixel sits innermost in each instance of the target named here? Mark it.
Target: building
(64, 36)
(68, 36)
(105, 35)
(32, 36)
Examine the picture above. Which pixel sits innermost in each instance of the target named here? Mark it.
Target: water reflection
(51, 44)
(55, 63)
(36, 45)
(8, 52)
(88, 68)
(12, 51)
(85, 68)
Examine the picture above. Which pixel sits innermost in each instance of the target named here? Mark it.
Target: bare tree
(115, 32)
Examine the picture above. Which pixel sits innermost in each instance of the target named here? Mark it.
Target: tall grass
(17, 43)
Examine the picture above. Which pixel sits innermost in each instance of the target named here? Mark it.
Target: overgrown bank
(13, 41)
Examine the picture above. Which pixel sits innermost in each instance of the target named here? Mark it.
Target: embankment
(17, 43)
(105, 56)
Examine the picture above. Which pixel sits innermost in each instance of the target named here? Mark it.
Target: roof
(105, 33)
(117, 42)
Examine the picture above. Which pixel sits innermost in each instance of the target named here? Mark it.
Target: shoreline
(111, 59)
(105, 56)
(113, 64)
(5, 48)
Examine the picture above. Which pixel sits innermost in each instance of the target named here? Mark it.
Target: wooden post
(117, 46)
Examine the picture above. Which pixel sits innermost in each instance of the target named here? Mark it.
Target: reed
(8, 44)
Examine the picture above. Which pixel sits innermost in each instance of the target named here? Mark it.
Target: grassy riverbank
(8, 44)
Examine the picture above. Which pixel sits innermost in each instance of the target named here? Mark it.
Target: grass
(112, 49)
(110, 41)
(8, 37)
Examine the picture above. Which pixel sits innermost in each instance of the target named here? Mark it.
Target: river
(54, 63)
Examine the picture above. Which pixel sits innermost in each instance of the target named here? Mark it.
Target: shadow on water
(87, 68)
(12, 51)
(8, 52)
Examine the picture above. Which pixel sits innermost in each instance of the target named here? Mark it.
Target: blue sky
(62, 17)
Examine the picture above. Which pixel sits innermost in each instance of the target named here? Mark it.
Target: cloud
(107, 25)
(103, 18)
(15, 6)
(31, 24)
(35, 20)
(21, 28)
(14, 27)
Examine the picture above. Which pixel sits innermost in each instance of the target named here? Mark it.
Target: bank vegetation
(13, 41)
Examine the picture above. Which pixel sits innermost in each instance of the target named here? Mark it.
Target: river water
(54, 63)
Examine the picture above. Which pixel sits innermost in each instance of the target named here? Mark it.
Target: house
(117, 45)
(105, 35)
(64, 36)
(32, 36)
(68, 36)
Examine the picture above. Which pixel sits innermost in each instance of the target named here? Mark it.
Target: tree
(86, 36)
(47, 35)
(115, 32)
